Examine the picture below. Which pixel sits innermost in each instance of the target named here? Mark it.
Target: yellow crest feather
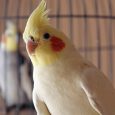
(37, 19)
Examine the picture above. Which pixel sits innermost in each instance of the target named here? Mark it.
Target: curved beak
(31, 46)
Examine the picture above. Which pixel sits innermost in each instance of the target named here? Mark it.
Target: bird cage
(88, 23)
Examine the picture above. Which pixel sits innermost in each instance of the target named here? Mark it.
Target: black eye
(46, 36)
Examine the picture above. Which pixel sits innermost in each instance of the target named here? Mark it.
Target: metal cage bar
(110, 41)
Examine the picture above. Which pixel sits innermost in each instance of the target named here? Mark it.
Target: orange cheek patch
(57, 44)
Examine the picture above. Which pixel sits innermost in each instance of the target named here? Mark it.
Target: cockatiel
(9, 41)
(12, 90)
(64, 82)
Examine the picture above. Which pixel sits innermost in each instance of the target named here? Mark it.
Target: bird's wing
(99, 91)
(39, 105)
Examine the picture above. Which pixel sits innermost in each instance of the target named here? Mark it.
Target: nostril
(31, 46)
(32, 38)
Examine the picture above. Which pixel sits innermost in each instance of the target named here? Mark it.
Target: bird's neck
(68, 56)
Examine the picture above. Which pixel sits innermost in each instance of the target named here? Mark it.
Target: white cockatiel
(11, 83)
(64, 82)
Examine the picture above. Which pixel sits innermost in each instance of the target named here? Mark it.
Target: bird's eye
(46, 36)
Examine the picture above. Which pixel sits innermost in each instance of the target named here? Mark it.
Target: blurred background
(90, 24)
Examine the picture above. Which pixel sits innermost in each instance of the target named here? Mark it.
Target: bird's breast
(62, 95)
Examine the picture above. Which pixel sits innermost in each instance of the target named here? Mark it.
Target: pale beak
(31, 45)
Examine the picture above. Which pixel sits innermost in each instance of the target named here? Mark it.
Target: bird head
(44, 43)
(9, 40)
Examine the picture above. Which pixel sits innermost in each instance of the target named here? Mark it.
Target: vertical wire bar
(98, 36)
(17, 11)
(77, 1)
(6, 3)
(110, 42)
(31, 5)
(85, 28)
(58, 14)
(70, 19)
(17, 53)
